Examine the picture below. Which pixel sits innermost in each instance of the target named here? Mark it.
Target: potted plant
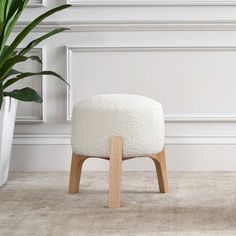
(10, 11)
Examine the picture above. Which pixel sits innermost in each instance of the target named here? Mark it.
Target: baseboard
(185, 157)
(64, 139)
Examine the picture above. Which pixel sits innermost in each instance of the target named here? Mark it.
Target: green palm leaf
(5, 49)
(26, 94)
(13, 61)
(16, 9)
(28, 74)
(2, 10)
(40, 39)
(27, 30)
(12, 72)
(14, 6)
(1, 28)
(7, 5)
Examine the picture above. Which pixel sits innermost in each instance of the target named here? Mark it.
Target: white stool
(117, 127)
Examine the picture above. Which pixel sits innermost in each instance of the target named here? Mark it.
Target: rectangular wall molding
(131, 25)
(36, 3)
(168, 118)
(150, 3)
(39, 51)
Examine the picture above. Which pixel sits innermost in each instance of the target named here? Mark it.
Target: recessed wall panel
(192, 83)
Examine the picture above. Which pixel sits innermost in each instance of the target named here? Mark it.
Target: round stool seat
(136, 119)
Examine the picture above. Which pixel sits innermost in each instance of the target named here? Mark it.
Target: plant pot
(7, 125)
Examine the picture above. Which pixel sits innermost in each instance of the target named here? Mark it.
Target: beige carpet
(200, 203)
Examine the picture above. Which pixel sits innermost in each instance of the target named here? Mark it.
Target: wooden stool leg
(160, 163)
(75, 172)
(115, 172)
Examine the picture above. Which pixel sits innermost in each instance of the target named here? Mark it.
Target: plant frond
(11, 62)
(11, 20)
(35, 42)
(29, 74)
(27, 30)
(25, 94)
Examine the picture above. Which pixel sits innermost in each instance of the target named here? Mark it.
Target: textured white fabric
(138, 120)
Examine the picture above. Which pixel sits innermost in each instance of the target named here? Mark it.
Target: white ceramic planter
(7, 124)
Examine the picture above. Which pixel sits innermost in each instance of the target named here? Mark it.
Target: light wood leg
(115, 172)
(160, 163)
(75, 172)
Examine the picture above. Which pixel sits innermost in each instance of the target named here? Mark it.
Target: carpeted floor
(199, 204)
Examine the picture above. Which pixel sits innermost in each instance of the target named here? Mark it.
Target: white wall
(182, 53)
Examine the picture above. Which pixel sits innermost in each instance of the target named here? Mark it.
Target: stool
(117, 127)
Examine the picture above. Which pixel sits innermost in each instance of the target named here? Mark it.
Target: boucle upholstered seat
(117, 127)
(138, 120)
